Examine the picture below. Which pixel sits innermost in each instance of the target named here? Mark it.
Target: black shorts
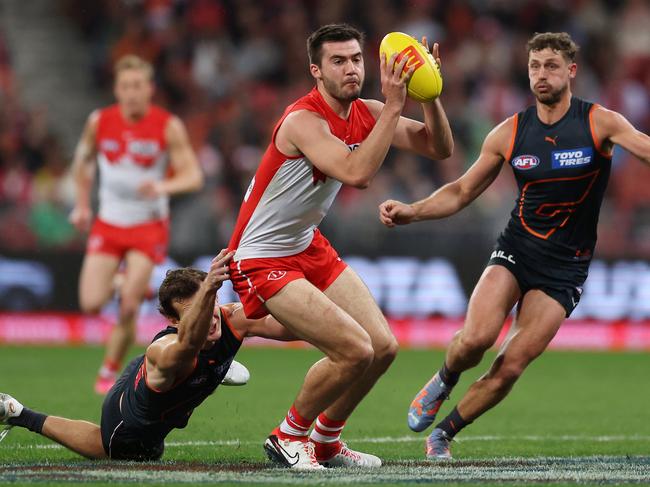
(560, 279)
(122, 441)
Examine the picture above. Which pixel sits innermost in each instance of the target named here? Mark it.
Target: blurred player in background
(134, 143)
(158, 391)
(285, 267)
(560, 150)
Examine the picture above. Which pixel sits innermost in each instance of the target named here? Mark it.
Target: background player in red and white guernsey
(284, 266)
(560, 152)
(134, 143)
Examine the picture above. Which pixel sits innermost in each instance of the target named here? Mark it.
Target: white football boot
(237, 375)
(298, 455)
(350, 458)
(9, 408)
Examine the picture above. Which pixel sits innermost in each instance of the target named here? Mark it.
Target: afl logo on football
(525, 162)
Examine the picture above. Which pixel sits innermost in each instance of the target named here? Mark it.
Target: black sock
(453, 423)
(448, 377)
(29, 419)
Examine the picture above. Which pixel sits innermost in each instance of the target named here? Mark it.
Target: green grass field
(573, 417)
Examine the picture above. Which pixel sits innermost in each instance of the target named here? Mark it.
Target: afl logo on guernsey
(525, 162)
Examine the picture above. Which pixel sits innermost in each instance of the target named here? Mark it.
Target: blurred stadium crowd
(229, 67)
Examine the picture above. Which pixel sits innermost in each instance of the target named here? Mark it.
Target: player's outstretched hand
(81, 217)
(392, 212)
(394, 79)
(219, 270)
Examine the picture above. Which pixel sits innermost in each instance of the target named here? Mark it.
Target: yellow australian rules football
(426, 83)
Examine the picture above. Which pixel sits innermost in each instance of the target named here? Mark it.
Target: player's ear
(172, 319)
(314, 69)
(573, 70)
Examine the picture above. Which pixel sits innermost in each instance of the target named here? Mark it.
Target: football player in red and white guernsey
(285, 267)
(135, 144)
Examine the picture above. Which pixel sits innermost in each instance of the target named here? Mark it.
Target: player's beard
(340, 92)
(551, 97)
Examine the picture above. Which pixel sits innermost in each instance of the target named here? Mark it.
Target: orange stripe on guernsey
(226, 320)
(597, 143)
(513, 136)
(593, 175)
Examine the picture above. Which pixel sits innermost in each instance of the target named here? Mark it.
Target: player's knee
(129, 308)
(90, 306)
(385, 352)
(476, 343)
(508, 374)
(358, 356)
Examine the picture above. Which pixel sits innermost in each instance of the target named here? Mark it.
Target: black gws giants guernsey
(561, 173)
(136, 418)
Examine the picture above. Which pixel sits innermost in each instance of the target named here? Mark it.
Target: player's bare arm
(304, 132)
(83, 173)
(187, 175)
(455, 196)
(614, 129)
(267, 327)
(433, 138)
(173, 356)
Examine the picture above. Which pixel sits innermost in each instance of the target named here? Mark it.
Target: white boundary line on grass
(382, 439)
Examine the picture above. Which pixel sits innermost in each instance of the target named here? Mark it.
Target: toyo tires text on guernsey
(571, 158)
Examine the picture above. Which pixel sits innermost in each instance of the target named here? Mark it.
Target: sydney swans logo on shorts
(571, 158)
(276, 275)
(525, 162)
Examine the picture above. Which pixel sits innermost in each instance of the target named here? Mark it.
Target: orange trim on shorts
(513, 136)
(592, 129)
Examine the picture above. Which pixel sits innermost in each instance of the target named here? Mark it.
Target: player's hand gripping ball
(426, 83)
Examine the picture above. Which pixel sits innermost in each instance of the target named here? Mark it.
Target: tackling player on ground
(560, 151)
(134, 143)
(158, 391)
(284, 266)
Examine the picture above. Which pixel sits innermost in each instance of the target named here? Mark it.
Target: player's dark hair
(556, 41)
(330, 33)
(179, 284)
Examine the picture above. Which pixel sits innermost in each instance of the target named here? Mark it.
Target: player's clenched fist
(392, 212)
(219, 270)
(81, 217)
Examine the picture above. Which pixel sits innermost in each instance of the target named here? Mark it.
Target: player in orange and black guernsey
(560, 152)
(159, 390)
